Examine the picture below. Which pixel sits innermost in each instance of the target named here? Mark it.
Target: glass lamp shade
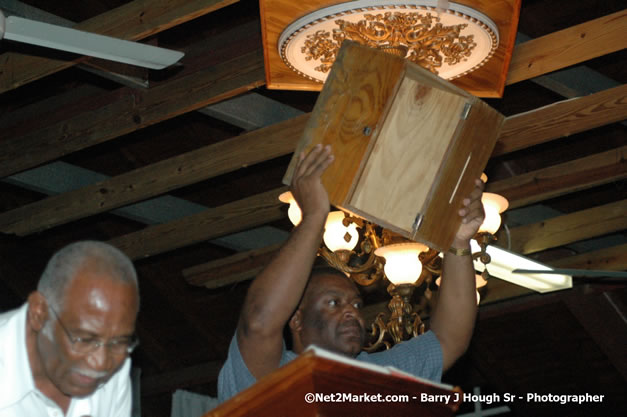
(479, 281)
(402, 265)
(336, 235)
(493, 205)
(293, 212)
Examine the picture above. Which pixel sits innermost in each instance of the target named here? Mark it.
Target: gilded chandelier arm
(366, 273)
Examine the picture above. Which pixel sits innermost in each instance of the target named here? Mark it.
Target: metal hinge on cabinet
(466, 111)
(417, 222)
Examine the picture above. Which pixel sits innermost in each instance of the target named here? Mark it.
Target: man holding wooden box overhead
(323, 307)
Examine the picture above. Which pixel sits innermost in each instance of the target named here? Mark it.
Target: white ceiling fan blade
(505, 265)
(85, 43)
(575, 272)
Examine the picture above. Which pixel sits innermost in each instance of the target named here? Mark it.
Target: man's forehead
(332, 283)
(97, 288)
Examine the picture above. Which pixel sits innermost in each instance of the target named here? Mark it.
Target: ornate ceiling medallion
(450, 42)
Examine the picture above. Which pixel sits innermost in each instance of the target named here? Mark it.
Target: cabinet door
(398, 178)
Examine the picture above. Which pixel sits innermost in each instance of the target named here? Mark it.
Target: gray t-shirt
(420, 356)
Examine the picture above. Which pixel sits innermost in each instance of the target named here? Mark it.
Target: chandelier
(369, 254)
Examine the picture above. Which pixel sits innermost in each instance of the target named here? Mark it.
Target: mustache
(352, 322)
(90, 373)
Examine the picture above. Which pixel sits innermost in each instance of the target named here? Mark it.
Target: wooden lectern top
(321, 383)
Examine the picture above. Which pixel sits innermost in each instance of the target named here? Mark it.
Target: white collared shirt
(19, 397)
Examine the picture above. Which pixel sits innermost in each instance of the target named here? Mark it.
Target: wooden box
(408, 145)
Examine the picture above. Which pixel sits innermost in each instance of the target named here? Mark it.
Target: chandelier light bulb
(493, 205)
(402, 265)
(479, 281)
(336, 235)
(293, 212)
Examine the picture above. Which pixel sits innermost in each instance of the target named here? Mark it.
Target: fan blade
(574, 272)
(85, 43)
(503, 262)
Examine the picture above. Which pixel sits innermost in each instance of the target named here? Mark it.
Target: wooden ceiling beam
(132, 111)
(557, 180)
(133, 21)
(231, 269)
(562, 119)
(156, 179)
(569, 228)
(32, 113)
(568, 47)
(212, 223)
(608, 259)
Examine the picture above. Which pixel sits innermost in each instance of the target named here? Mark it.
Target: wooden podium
(408, 145)
(345, 387)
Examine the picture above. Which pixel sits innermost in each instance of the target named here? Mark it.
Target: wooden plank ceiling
(187, 195)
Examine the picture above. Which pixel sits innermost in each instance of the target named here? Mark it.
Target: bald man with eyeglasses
(65, 352)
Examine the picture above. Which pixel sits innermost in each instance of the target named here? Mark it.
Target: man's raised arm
(454, 316)
(276, 291)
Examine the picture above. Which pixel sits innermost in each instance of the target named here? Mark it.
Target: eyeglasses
(84, 345)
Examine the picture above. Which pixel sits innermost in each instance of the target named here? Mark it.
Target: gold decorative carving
(421, 38)
(403, 323)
